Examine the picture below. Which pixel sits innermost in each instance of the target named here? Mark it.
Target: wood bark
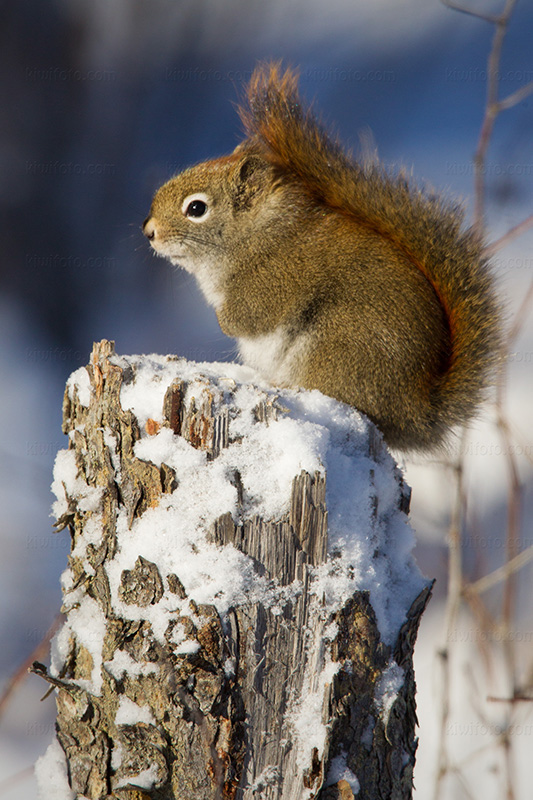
(220, 734)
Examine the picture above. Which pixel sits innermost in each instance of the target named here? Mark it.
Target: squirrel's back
(427, 231)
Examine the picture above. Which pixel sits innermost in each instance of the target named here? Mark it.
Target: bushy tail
(426, 228)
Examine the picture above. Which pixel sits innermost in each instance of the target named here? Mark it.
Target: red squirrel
(334, 275)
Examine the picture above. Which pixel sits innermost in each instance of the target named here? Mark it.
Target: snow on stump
(241, 600)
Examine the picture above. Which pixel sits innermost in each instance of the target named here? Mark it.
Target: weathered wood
(217, 724)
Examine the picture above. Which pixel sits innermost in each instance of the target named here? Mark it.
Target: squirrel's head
(201, 219)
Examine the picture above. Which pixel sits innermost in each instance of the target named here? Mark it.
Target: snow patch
(144, 780)
(86, 626)
(307, 716)
(51, 774)
(129, 713)
(66, 484)
(387, 688)
(122, 663)
(339, 771)
(81, 381)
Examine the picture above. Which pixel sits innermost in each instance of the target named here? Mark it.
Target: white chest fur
(275, 356)
(208, 277)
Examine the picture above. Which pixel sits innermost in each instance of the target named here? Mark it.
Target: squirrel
(335, 275)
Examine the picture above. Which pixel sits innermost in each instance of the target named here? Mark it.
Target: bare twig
(491, 112)
(511, 234)
(22, 671)
(516, 97)
(13, 780)
(453, 602)
(517, 698)
(513, 521)
(471, 12)
(502, 573)
(520, 317)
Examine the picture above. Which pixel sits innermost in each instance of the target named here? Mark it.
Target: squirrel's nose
(149, 228)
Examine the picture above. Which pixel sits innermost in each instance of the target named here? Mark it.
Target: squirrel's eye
(196, 207)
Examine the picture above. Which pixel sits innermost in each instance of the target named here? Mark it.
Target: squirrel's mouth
(166, 250)
(176, 258)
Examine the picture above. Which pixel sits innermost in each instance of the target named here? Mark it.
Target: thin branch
(511, 234)
(500, 574)
(453, 602)
(491, 112)
(516, 698)
(13, 780)
(513, 520)
(520, 316)
(516, 97)
(510, 770)
(487, 624)
(22, 671)
(471, 12)
(473, 754)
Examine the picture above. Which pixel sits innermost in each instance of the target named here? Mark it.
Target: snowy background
(104, 100)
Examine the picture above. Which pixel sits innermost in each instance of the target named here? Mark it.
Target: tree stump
(241, 600)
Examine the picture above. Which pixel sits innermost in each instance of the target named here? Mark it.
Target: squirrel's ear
(251, 177)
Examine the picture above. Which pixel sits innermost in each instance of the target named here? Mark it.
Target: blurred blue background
(102, 102)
